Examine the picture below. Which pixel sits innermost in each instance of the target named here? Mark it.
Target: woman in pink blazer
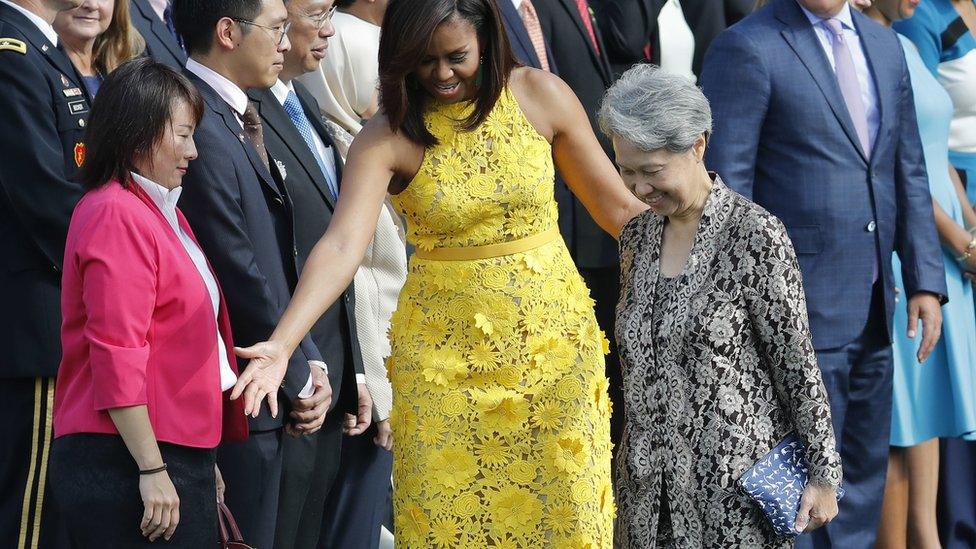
(140, 402)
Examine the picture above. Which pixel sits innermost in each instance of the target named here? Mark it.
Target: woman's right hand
(262, 377)
(162, 506)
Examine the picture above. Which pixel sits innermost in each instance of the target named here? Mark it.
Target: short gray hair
(655, 109)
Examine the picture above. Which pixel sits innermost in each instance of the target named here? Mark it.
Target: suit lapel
(871, 43)
(311, 108)
(802, 38)
(278, 121)
(574, 14)
(158, 28)
(223, 110)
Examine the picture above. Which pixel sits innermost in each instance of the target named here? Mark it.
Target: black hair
(196, 20)
(129, 117)
(407, 30)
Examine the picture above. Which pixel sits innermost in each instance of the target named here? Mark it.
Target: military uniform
(44, 110)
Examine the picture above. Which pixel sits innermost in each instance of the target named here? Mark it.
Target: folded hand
(308, 414)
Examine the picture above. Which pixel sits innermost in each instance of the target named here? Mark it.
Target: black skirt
(96, 484)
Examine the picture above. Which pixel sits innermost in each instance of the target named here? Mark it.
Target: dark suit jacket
(519, 39)
(630, 25)
(783, 137)
(42, 127)
(588, 74)
(335, 332)
(243, 221)
(160, 44)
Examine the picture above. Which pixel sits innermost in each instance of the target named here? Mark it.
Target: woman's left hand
(221, 487)
(818, 506)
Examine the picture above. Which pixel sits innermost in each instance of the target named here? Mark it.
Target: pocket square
(776, 483)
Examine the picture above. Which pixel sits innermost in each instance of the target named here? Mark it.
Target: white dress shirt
(676, 39)
(868, 91)
(518, 4)
(280, 91)
(166, 199)
(227, 90)
(46, 28)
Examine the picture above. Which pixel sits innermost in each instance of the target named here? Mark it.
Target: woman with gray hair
(713, 335)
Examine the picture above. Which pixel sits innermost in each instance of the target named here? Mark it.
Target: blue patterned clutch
(777, 481)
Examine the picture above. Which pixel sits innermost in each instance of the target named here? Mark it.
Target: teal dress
(936, 398)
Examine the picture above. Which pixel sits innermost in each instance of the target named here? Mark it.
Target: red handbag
(230, 534)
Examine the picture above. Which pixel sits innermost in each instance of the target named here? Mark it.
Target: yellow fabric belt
(470, 253)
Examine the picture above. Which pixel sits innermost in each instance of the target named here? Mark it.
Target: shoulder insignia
(12, 44)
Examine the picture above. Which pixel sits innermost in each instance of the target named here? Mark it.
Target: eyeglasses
(320, 20)
(280, 31)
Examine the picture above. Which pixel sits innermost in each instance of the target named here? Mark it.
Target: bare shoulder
(538, 85)
(543, 97)
(377, 142)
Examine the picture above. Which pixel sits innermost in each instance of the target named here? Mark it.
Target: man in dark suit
(296, 137)
(45, 112)
(579, 52)
(243, 220)
(630, 29)
(153, 20)
(815, 121)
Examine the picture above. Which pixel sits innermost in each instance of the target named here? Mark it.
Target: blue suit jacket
(242, 219)
(783, 137)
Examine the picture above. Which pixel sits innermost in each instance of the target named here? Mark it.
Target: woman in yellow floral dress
(501, 414)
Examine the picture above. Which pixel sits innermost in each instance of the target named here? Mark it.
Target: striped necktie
(294, 109)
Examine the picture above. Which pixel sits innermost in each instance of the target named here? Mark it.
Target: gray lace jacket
(716, 373)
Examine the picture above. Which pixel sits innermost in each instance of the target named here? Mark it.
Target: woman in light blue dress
(938, 397)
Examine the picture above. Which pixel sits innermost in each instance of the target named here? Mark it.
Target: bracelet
(153, 471)
(968, 252)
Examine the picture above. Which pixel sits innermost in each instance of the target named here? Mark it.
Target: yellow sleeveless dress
(500, 407)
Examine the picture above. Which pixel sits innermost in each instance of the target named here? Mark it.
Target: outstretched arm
(581, 160)
(333, 261)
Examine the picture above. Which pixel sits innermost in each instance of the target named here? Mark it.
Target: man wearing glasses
(297, 139)
(241, 213)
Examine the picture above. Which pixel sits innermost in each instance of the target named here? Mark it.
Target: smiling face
(668, 182)
(449, 67)
(897, 10)
(166, 164)
(308, 40)
(86, 22)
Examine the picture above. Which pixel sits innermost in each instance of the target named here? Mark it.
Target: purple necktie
(850, 86)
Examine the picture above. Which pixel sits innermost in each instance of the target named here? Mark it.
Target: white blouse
(166, 199)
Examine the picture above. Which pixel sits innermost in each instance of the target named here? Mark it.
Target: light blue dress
(936, 398)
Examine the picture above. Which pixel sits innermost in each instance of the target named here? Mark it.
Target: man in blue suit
(814, 120)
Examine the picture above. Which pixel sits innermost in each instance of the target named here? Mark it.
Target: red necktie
(584, 11)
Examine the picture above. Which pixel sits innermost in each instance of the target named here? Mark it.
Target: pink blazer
(138, 326)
